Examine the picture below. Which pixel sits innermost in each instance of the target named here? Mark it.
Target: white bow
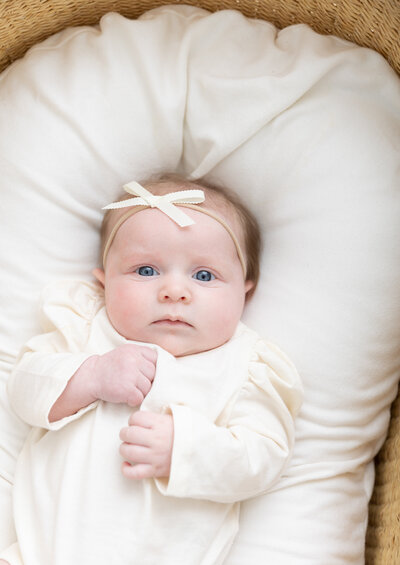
(165, 203)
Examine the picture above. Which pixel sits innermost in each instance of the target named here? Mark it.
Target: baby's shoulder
(267, 357)
(62, 299)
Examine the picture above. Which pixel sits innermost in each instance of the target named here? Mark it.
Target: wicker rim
(369, 23)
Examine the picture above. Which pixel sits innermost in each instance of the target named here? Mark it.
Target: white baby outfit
(233, 410)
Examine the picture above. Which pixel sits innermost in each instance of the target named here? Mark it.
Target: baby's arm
(48, 385)
(234, 459)
(55, 377)
(123, 375)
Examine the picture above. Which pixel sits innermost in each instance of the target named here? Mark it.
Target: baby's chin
(171, 344)
(179, 341)
(179, 348)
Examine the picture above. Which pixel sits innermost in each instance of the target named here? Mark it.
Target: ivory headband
(167, 203)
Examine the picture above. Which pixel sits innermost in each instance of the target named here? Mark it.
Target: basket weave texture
(383, 536)
(369, 23)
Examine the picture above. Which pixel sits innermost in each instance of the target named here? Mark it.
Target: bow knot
(152, 200)
(165, 203)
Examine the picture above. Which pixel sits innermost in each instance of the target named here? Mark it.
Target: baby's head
(182, 288)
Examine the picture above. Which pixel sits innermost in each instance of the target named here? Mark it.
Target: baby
(151, 369)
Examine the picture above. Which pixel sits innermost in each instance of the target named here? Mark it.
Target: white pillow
(306, 128)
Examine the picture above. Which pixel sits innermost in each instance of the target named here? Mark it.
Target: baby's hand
(147, 445)
(124, 375)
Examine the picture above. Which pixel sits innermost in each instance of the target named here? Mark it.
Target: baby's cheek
(225, 322)
(231, 309)
(124, 308)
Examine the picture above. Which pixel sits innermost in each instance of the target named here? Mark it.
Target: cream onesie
(233, 409)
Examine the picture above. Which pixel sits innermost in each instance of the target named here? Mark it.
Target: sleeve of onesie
(48, 361)
(244, 456)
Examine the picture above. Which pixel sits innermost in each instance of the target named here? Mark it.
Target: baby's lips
(172, 321)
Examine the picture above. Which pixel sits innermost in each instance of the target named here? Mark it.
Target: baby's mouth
(172, 322)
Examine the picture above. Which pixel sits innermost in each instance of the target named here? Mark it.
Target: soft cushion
(306, 129)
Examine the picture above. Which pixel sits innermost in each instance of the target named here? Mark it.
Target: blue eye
(146, 271)
(204, 276)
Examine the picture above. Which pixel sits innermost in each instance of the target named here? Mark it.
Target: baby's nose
(174, 291)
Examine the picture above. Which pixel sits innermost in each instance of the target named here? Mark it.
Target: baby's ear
(248, 285)
(99, 274)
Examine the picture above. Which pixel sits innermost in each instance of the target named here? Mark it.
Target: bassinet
(370, 23)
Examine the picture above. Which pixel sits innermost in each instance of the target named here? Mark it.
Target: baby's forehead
(214, 201)
(151, 224)
(152, 236)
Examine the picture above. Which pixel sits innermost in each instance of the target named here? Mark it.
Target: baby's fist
(125, 374)
(147, 445)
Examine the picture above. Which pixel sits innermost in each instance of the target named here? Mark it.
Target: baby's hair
(217, 197)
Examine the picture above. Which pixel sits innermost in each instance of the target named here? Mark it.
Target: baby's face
(180, 288)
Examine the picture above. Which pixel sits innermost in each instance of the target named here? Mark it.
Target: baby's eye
(146, 271)
(204, 276)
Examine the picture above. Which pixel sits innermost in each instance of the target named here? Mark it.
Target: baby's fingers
(143, 419)
(136, 435)
(139, 391)
(148, 369)
(135, 453)
(137, 472)
(149, 354)
(135, 397)
(143, 383)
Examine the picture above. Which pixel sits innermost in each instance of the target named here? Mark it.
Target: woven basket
(370, 23)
